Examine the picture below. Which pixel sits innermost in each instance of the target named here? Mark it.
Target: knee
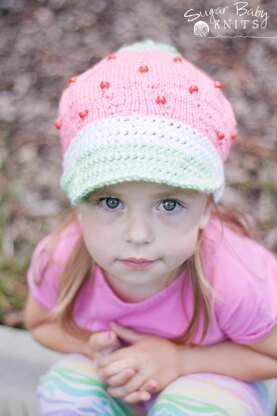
(207, 394)
(69, 386)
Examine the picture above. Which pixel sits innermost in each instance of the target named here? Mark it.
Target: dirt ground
(43, 43)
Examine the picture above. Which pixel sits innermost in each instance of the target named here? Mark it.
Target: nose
(138, 229)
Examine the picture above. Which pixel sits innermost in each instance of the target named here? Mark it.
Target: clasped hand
(134, 372)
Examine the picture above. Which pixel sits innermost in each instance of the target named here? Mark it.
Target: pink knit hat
(144, 113)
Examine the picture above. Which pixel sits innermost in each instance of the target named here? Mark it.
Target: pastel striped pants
(71, 388)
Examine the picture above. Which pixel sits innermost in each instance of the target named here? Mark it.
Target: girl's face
(142, 220)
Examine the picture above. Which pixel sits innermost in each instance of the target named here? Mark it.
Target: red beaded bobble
(233, 136)
(143, 68)
(83, 114)
(220, 135)
(193, 88)
(111, 56)
(72, 80)
(104, 84)
(58, 124)
(160, 99)
(177, 59)
(218, 85)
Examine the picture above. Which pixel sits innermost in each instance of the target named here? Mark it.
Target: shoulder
(59, 246)
(47, 263)
(243, 275)
(230, 258)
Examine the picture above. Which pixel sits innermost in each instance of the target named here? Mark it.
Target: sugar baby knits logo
(238, 19)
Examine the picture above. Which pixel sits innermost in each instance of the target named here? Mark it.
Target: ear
(206, 213)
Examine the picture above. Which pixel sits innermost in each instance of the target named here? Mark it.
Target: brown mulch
(43, 43)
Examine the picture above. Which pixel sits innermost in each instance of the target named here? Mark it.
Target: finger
(149, 386)
(128, 388)
(104, 352)
(103, 340)
(120, 379)
(115, 356)
(117, 367)
(126, 333)
(136, 397)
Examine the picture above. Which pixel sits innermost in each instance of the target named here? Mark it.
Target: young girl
(161, 302)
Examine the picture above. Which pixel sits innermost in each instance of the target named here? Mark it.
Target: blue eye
(110, 202)
(170, 204)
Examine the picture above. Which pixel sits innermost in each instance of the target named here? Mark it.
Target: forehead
(149, 188)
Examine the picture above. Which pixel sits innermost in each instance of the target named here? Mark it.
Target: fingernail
(146, 397)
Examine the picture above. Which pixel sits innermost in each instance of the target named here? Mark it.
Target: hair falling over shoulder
(80, 264)
(77, 269)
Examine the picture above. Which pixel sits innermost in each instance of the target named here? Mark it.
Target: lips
(137, 264)
(138, 261)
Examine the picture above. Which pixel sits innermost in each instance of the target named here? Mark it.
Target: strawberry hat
(144, 113)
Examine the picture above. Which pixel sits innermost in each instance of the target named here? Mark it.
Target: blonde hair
(79, 266)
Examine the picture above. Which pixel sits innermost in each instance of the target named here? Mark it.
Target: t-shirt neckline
(166, 291)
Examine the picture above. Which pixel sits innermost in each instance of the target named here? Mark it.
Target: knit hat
(144, 113)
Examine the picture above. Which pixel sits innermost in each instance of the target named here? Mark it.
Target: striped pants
(71, 388)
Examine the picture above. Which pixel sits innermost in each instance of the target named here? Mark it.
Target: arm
(229, 359)
(268, 345)
(147, 355)
(50, 334)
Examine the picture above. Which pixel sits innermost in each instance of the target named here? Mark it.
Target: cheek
(97, 237)
(181, 243)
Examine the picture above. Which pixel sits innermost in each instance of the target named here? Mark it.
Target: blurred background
(43, 43)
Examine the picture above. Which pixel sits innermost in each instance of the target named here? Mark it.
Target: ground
(43, 43)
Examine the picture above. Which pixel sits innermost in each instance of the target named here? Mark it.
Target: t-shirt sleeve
(43, 277)
(246, 289)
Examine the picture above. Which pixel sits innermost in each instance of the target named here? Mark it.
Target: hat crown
(147, 79)
(169, 88)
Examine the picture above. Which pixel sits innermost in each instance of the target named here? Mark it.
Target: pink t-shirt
(242, 273)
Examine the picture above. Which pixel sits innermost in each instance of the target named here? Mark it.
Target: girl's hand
(102, 343)
(148, 358)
